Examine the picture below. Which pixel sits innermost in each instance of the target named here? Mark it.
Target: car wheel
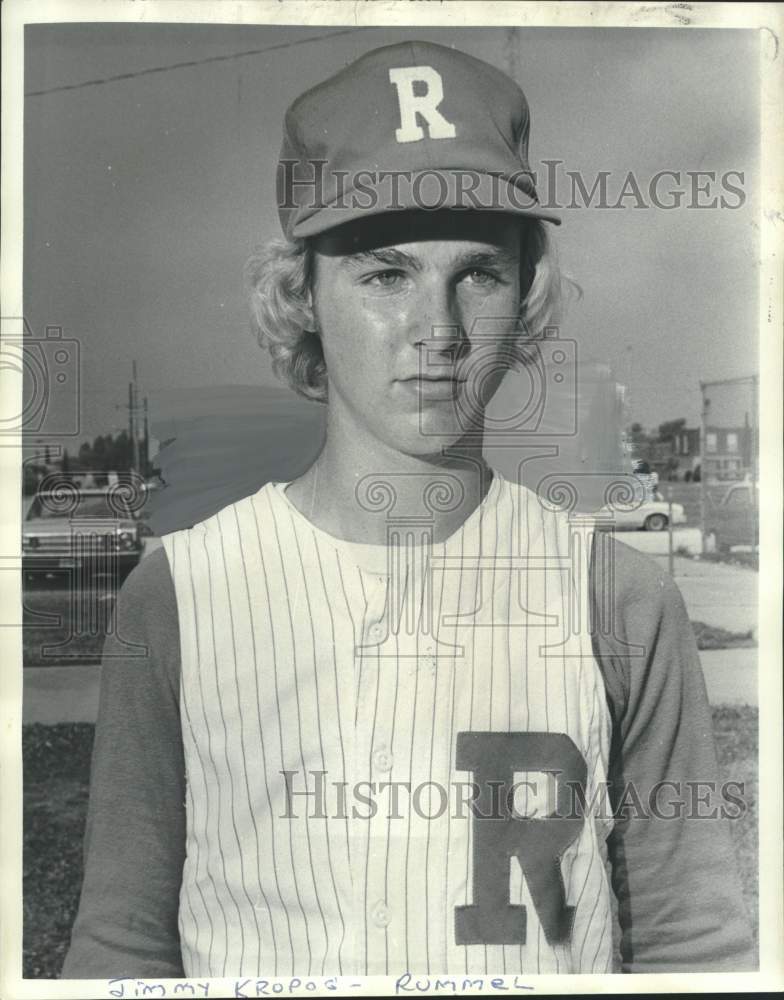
(655, 522)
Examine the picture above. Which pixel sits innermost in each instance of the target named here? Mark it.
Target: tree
(669, 429)
(100, 449)
(636, 432)
(31, 477)
(106, 454)
(119, 454)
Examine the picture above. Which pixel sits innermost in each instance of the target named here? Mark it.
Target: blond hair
(278, 280)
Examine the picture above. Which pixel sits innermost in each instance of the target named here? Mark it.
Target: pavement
(718, 594)
(715, 593)
(657, 542)
(731, 675)
(60, 694)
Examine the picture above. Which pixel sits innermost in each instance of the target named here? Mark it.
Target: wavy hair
(278, 278)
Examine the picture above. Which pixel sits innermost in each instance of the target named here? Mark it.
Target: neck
(346, 494)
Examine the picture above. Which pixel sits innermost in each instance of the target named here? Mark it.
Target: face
(416, 314)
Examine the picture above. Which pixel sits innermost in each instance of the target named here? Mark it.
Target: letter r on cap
(425, 104)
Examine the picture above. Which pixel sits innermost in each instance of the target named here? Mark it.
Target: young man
(381, 704)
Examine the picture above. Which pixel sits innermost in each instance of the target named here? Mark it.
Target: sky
(144, 196)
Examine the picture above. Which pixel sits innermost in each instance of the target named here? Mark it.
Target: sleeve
(134, 848)
(674, 870)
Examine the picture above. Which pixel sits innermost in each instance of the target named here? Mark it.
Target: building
(687, 451)
(728, 452)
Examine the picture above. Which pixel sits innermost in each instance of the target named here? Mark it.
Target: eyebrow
(390, 257)
(499, 257)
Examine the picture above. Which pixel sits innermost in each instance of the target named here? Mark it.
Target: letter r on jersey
(423, 104)
(538, 844)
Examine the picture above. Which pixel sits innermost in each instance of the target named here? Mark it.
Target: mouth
(433, 386)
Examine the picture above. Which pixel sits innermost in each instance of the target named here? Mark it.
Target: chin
(428, 433)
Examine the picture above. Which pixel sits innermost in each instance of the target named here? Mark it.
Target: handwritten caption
(127, 988)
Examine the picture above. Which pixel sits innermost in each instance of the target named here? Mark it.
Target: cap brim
(425, 190)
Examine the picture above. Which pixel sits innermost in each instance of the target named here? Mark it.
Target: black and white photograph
(391, 441)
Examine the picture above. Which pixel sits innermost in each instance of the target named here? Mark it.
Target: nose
(436, 322)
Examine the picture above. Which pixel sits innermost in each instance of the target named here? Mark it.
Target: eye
(478, 276)
(383, 279)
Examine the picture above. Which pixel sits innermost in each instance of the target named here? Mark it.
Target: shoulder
(147, 617)
(634, 577)
(254, 506)
(149, 587)
(642, 596)
(642, 638)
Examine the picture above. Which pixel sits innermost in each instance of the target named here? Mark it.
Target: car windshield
(88, 505)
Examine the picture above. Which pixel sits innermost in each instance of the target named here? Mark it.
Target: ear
(309, 318)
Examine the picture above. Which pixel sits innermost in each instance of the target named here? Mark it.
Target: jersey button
(382, 759)
(376, 631)
(380, 914)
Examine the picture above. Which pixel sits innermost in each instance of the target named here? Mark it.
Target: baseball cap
(408, 126)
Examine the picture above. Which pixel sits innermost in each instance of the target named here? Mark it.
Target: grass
(715, 637)
(736, 731)
(56, 762)
(748, 559)
(736, 558)
(56, 779)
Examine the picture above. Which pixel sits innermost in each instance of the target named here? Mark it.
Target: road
(63, 626)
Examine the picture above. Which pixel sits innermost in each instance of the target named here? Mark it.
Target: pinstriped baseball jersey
(347, 713)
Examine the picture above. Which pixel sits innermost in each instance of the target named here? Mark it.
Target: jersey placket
(402, 694)
(371, 657)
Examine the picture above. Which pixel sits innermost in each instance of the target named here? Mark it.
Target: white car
(648, 515)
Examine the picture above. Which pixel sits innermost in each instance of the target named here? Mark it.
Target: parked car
(734, 519)
(91, 531)
(648, 515)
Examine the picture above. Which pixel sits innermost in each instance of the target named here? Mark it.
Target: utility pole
(753, 458)
(134, 419)
(135, 435)
(703, 470)
(131, 428)
(146, 440)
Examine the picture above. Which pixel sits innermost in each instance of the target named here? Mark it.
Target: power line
(184, 65)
